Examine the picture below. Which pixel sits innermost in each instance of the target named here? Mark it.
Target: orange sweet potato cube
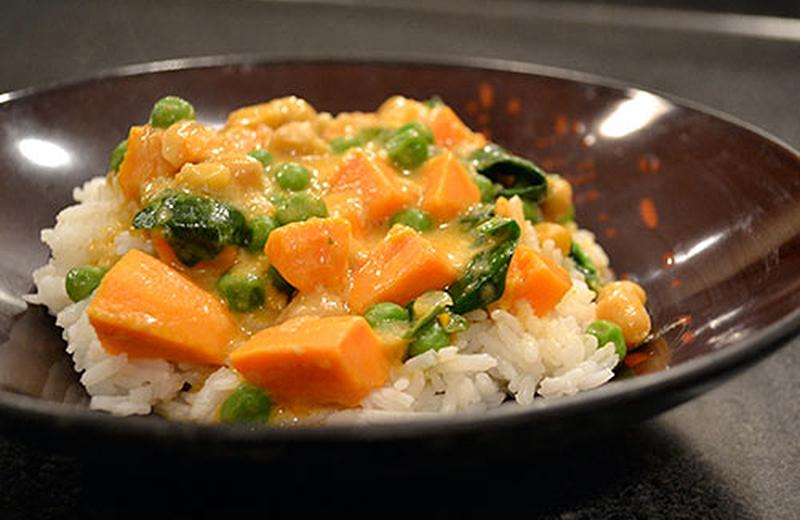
(313, 253)
(347, 205)
(336, 360)
(449, 188)
(146, 309)
(143, 160)
(379, 186)
(536, 279)
(448, 129)
(400, 268)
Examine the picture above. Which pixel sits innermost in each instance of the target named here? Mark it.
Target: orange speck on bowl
(544, 142)
(648, 213)
(581, 178)
(649, 163)
(561, 125)
(551, 163)
(513, 106)
(486, 94)
(587, 196)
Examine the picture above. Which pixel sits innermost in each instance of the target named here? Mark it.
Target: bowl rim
(703, 372)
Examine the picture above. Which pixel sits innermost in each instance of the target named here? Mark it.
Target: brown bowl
(702, 210)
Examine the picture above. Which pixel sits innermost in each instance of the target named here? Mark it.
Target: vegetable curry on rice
(312, 253)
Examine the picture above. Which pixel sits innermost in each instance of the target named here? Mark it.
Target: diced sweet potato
(311, 254)
(146, 309)
(380, 188)
(536, 279)
(448, 129)
(347, 205)
(335, 360)
(401, 267)
(143, 160)
(449, 189)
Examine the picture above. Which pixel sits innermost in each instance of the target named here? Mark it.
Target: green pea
(486, 187)
(381, 313)
(342, 144)
(279, 282)
(531, 211)
(408, 146)
(169, 110)
(258, 231)
(413, 218)
(293, 176)
(430, 337)
(607, 332)
(82, 280)
(242, 291)
(262, 156)
(118, 155)
(298, 206)
(247, 404)
(418, 128)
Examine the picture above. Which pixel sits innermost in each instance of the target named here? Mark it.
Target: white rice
(503, 357)
(115, 383)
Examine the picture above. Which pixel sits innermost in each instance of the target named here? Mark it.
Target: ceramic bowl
(700, 209)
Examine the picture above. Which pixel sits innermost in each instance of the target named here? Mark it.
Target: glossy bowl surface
(702, 210)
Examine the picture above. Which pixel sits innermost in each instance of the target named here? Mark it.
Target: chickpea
(630, 315)
(207, 176)
(186, 141)
(623, 303)
(561, 236)
(275, 113)
(299, 138)
(558, 203)
(624, 286)
(245, 170)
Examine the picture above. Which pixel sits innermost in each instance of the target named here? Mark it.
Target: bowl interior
(703, 213)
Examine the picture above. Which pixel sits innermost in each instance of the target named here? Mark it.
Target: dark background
(732, 453)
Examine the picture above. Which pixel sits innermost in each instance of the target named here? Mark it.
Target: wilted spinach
(517, 176)
(197, 228)
(585, 265)
(484, 278)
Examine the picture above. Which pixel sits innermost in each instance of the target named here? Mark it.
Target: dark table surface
(732, 453)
